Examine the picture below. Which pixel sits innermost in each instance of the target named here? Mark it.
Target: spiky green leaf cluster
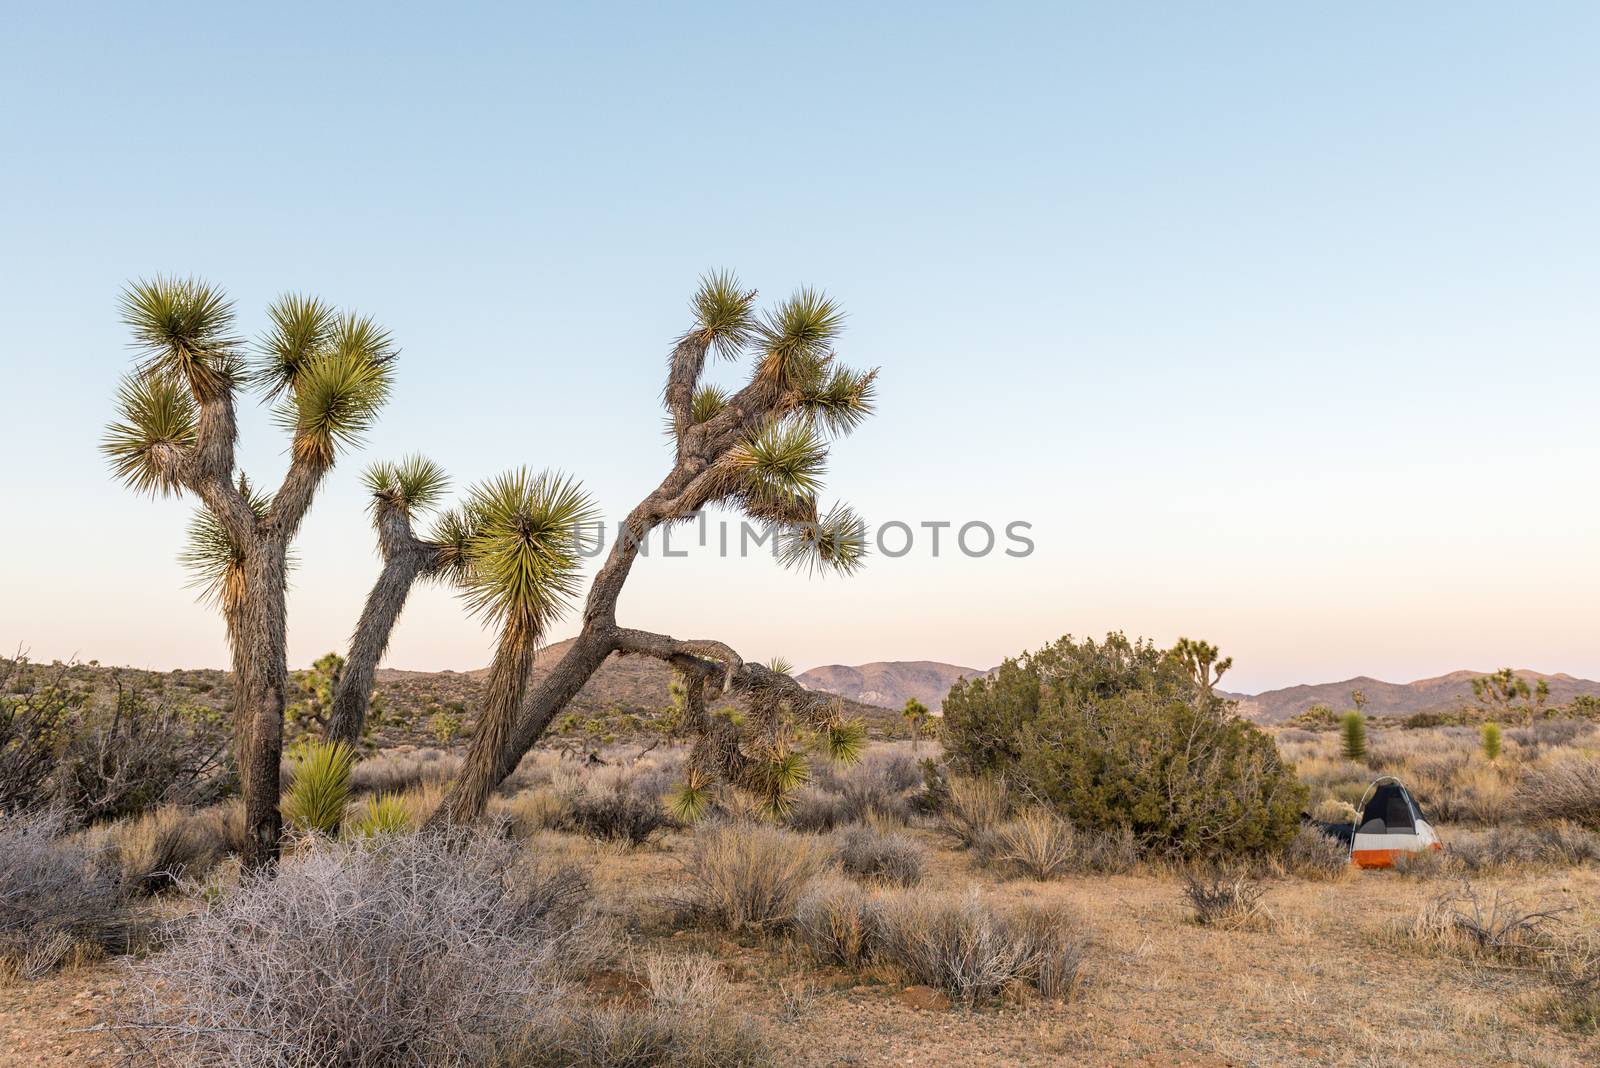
(383, 814)
(300, 331)
(157, 428)
(837, 542)
(780, 665)
(840, 399)
(215, 564)
(723, 313)
(335, 397)
(782, 771)
(844, 741)
(783, 461)
(520, 548)
(796, 338)
(321, 789)
(690, 800)
(414, 484)
(184, 329)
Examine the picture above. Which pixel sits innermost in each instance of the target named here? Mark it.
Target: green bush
(1491, 741)
(316, 800)
(1120, 734)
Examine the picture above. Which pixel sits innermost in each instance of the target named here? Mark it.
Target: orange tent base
(1381, 858)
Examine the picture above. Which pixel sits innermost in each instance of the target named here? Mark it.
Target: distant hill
(1394, 698)
(888, 683)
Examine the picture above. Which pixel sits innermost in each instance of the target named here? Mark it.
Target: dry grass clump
(975, 807)
(836, 921)
(400, 951)
(1038, 844)
(741, 875)
(1550, 845)
(58, 900)
(868, 852)
(1314, 855)
(1224, 899)
(541, 808)
(1573, 971)
(964, 946)
(686, 1021)
(156, 851)
(816, 811)
(1567, 790)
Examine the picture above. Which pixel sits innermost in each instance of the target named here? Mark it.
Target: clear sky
(1277, 321)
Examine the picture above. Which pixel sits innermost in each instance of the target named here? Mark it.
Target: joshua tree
(760, 450)
(1199, 658)
(327, 375)
(1359, 699)
(398, 493)
(1498, 692)
(517, 555)
(916, 715)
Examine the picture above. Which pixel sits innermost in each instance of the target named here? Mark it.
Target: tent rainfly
(1390, 823)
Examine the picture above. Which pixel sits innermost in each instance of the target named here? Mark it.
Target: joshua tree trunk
(405, 558)
(508, 682)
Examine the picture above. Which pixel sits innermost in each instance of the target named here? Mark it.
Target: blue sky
(1276, 321)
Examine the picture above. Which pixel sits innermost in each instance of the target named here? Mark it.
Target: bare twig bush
(1224, 899)
(975, 808)
(29, 722)
(967, 948)
(1314, 855)
(137, 755)
(1470, 923)
(741, 875)
(404, 950)
(1568, 790)
(816, 811)
(868, 852)
(687, 1021)
(836, 920)
(57, 899)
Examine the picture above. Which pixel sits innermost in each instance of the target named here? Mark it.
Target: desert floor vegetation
(940, 919)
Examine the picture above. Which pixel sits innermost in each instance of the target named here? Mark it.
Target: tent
(1390, 823)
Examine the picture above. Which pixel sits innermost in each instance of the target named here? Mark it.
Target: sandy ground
(1316, 985)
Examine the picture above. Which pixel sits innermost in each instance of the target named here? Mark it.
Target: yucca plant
(327, 374)
(1491, 741)
(386, 813)
(517, 561)
(1353, 736)
(321, 787)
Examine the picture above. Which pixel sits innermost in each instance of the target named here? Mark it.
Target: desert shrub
(1551, 734)
(623, 808)
(405, 950)
(1569, 790)
(30, 723)
(320, 787)
(57, 899)
(1038, 844)
(687, 1021)
(1121, 734)
(1223, 899)
(974, 808)
(879, 785)
(816, 811)
(836, 921)
(1489, 741)
(393, 773)
(747, 875)
(1312, 854)
(867, 852)
(972, 951)
(381, 814)
(137, 755)
(1467, 922)
(158, 849)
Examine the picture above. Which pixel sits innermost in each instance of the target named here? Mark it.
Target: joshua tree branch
(405, 559)
(294, 496)
(688, 360)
